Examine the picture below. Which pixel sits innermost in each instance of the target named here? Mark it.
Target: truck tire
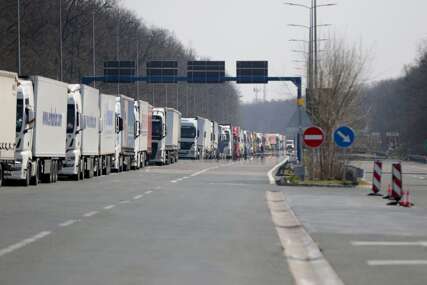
(1, 174)
(107, 166)
(35, 179)
(55, 171)
(27, 179)
(81, 170)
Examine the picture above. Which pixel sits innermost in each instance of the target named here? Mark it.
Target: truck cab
(225, 142)
(189, 137)
(158, 154)
(73, 164)
(22, 168)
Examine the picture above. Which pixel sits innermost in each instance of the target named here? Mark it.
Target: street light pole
(60, 41)
(19, 37)
(93, 48)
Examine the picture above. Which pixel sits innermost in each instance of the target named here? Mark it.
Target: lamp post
(19, 36)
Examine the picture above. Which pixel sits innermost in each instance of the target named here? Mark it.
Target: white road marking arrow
(345, 138)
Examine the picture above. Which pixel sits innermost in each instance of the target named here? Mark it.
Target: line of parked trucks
(51, 129)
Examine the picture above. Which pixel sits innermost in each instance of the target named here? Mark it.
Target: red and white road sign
(313, 137)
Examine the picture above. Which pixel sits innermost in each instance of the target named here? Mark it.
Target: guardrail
(417, 158)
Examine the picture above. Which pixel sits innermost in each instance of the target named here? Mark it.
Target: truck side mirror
(120, 124)
(165, 133)
(29, 115)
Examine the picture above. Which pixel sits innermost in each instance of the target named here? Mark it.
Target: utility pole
(60, 42)
(19, 37)
(93, 47)
(315, 46)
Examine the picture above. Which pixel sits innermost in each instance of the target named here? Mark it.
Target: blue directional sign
(344, 136)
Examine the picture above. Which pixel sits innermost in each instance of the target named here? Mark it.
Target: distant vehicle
(189, 137)
(82, 142)
(166, 135)
(215, 139)
(125, 133)
(225, 146)
(143, 113)
(107, 131)
(40, 131)
(236, 143)
(204, 139)
(290, 146)
(12, 119)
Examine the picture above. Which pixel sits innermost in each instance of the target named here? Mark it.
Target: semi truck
(125, 133)
(204, 144)
(215, 139)
(40, 130)
(82, 142)
(166, 135)
(8, 117)
(225, 141)
(108, 127)
(189, 137)
(143, 122)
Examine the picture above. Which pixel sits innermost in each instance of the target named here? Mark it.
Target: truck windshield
(71, 117)
(19, 114)
(157, 128)
(188, 132)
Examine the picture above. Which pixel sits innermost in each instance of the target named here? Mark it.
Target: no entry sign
(313, 137)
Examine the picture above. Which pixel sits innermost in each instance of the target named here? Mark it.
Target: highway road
(366, 241)
(187, 223)
(203, 222)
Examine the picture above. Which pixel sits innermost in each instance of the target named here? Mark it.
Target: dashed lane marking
(90, 214)
(67, 223)
(109, 207)
(137, 197)
(396, 262)
(148, 192)
(389, 243)
(24, 243)
(124, 202)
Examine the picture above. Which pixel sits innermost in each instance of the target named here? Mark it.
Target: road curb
(306, 262)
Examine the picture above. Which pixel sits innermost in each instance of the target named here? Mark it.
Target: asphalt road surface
(187, 223)
(366, 241)
(204, 222)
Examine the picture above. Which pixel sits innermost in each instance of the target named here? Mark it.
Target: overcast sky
(390, 30)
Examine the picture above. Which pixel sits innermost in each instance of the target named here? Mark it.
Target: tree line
(400, 106)
(105, 30)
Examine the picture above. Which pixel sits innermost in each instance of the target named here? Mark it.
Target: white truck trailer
(107, 131)
(166, 135)
(204, 143)
(189, 137)
(40, 147)
(125, 138)
(143, 113)
(82, 159)
(8, 118)
(215, 139)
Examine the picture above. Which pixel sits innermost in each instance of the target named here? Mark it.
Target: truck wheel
(81, 170)
(108, 166)
(26, 181)
(35, 179)
(55, 172)
(1, 174)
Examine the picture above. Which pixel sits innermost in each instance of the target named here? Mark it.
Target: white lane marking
(389, 243)
(124, 202)
(24, 243)
(270, 173)
(148, 192)
(395, 262)
(203, 171)
(173, 181)
(185, 177)
(137, 197)
(67, 223)
(90, 214)
(109, 207)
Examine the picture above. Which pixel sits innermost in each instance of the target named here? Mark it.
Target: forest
(87, 33)
(400, 106)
